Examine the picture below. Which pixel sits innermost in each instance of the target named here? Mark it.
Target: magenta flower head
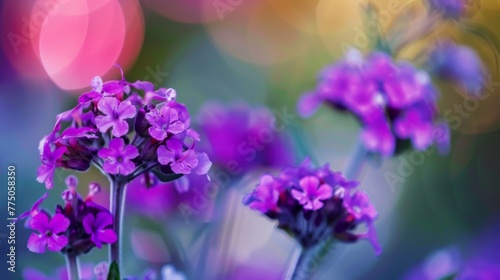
(77, 226)
(394, 102)
(242, 138)
(124, 129)
(315, 204)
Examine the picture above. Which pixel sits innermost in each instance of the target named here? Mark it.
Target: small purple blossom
(115, 115)
(50, 233)
(117, 158)
(181, 160)
(164, 121)
(311, 193)
(99, 227)
(266, 195)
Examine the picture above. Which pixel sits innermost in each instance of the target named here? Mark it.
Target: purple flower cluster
(243, 138)
(75, 228)
(395, 102)
(314, 204)
(124, 134)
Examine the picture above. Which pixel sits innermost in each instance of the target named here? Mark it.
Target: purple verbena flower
(315, 204)
(99, 228)
(181, 160)
(115, 115)
(164, 121)
(117, 158)
(50, 233)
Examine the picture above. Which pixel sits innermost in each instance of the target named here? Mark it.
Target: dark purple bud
(81, 165)
(141, 124)
(149, 151)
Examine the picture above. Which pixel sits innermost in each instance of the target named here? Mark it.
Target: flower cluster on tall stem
(125, 134)
(314, 205)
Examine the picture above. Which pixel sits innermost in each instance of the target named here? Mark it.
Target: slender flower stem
(117, 202)
(73, 267)
(308, 260)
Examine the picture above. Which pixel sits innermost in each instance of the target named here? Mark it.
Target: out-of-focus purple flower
(118, 157)
(314, 204)
(50, 233)
(450, 8)
(393, 101)
(115, 115)
(459, 64)
(164, 121)
(241, 138)
(181, 160)
(266, 195)
(99, 227)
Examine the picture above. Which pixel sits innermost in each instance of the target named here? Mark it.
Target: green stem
(117, 202)
(73, 266)
(310, 259)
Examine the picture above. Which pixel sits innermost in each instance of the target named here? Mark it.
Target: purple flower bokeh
(394, 102)
(241, 138)
(459, 64)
